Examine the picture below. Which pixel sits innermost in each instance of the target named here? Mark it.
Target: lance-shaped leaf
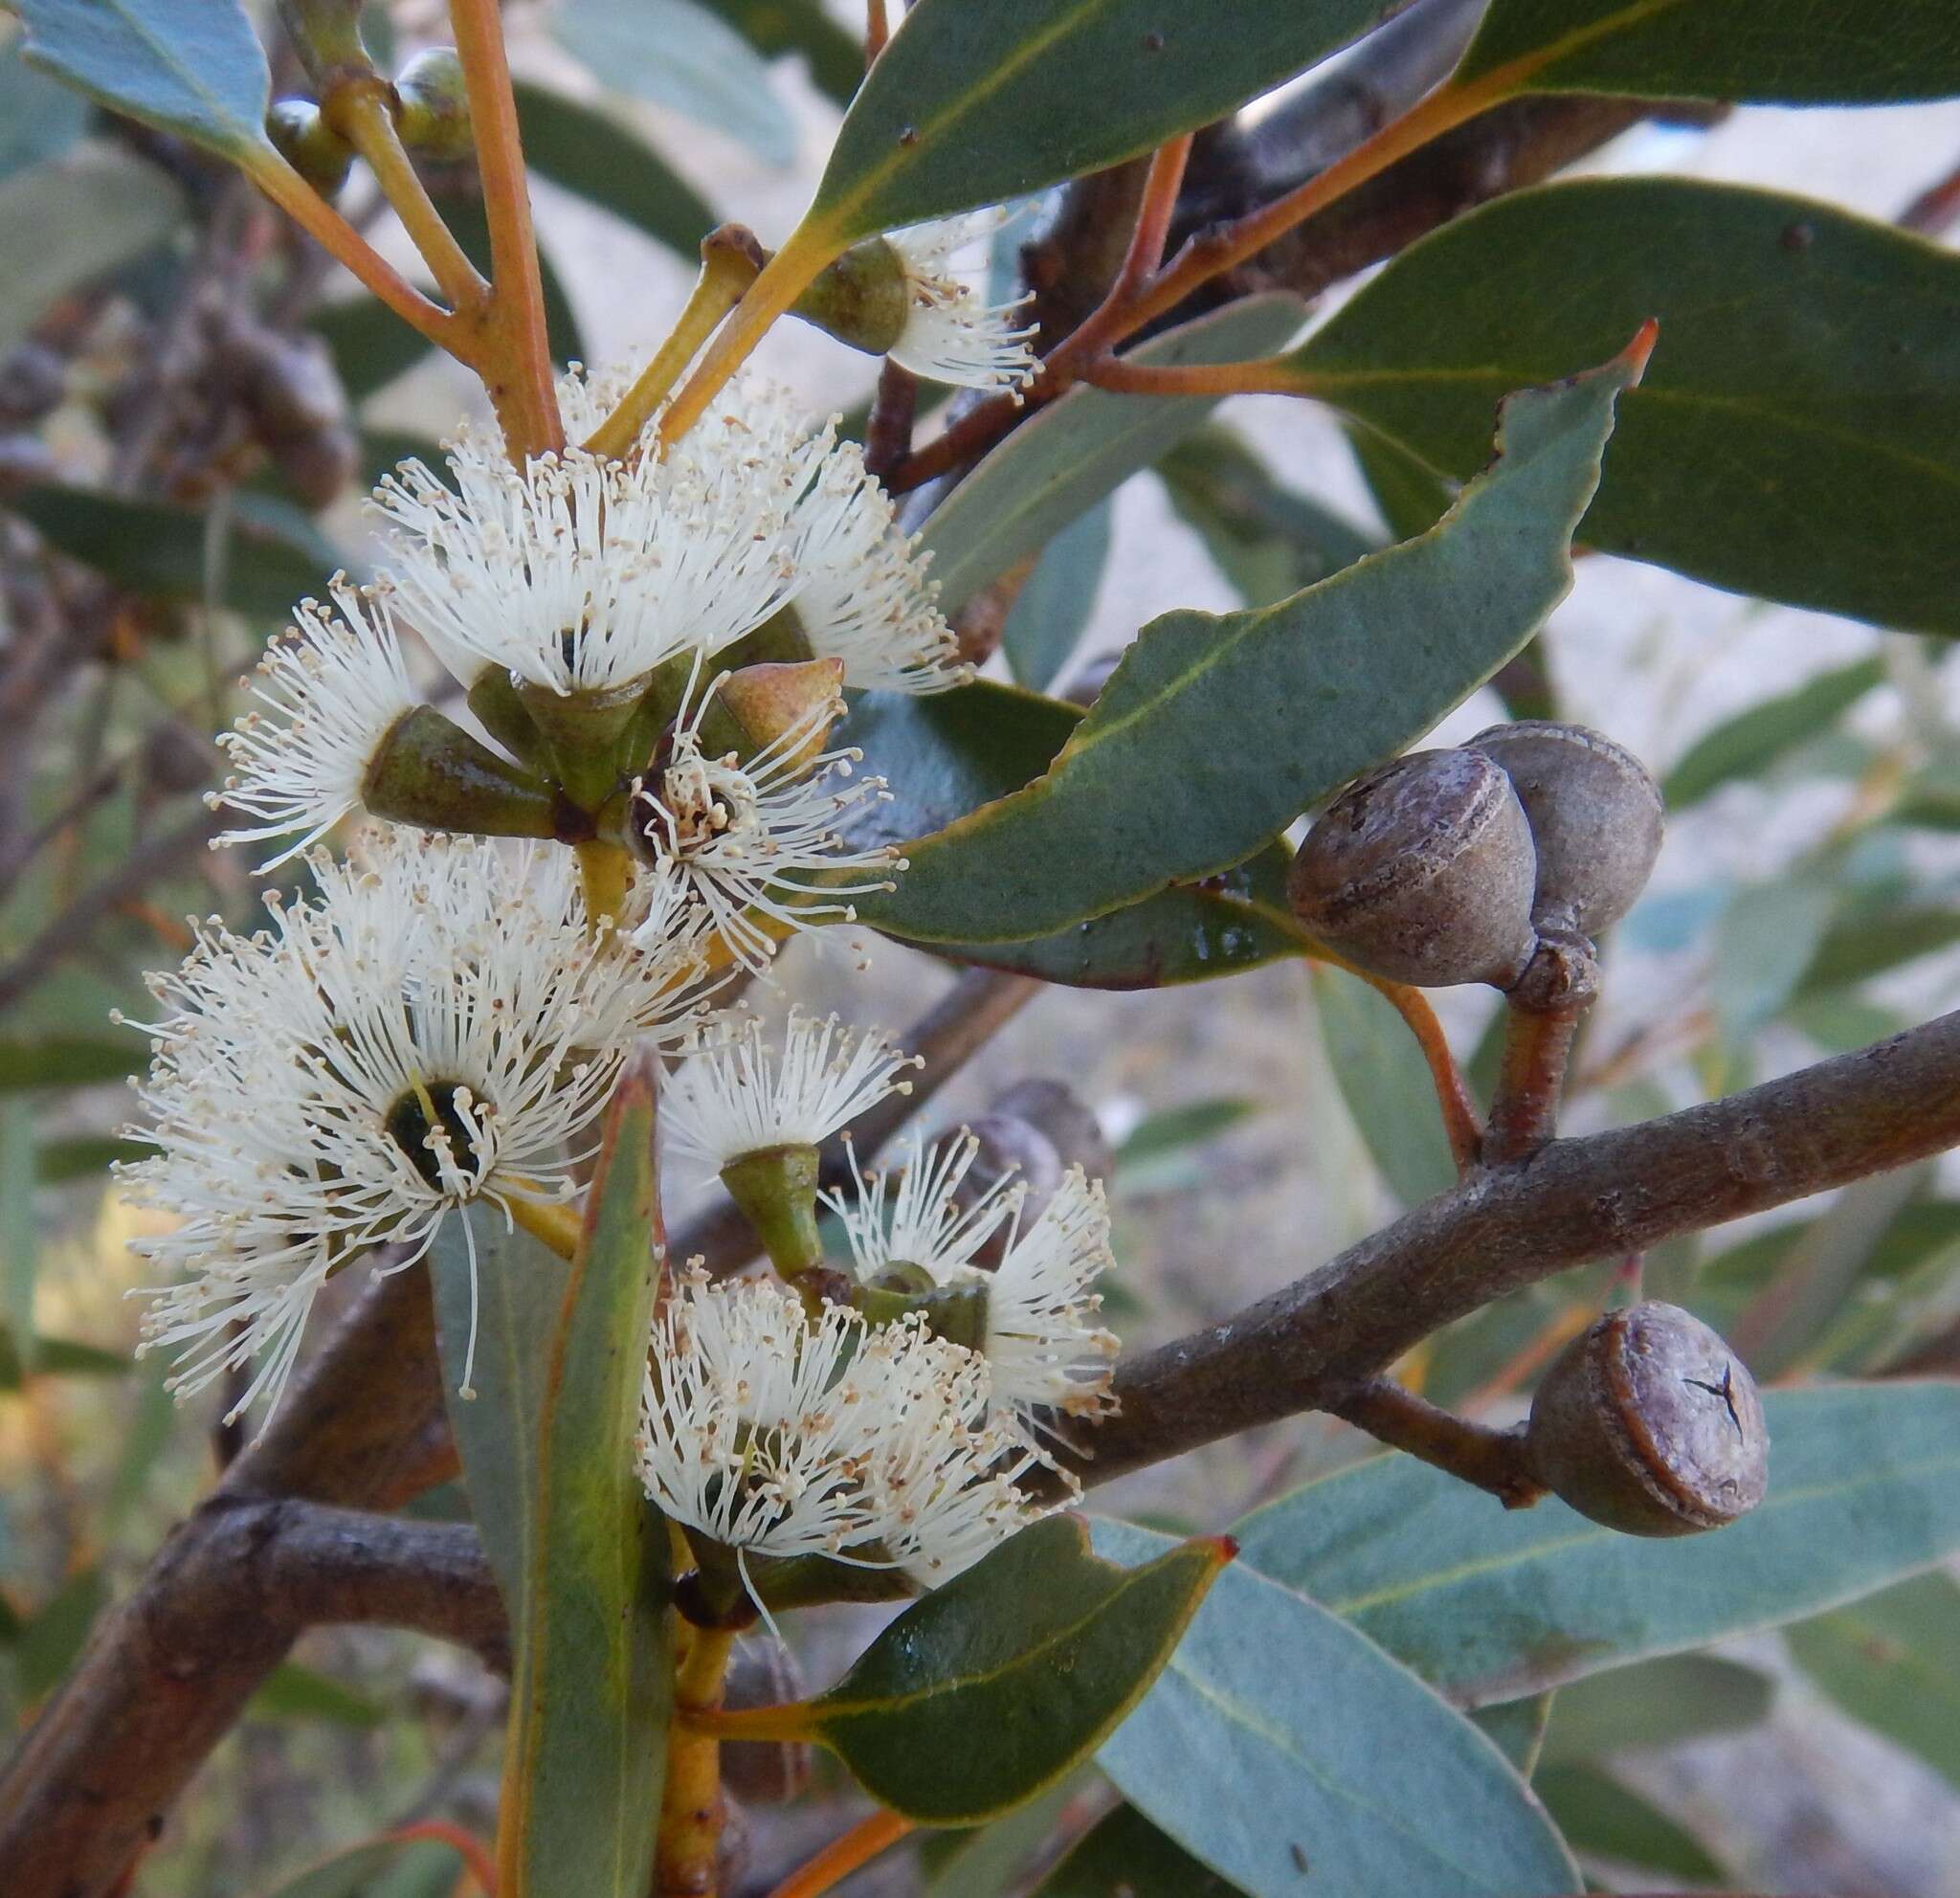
(508, 1305)
(1800, 436)
(971, 105)
(191, 67)
(950, 753)
(994, 1685)
(1864, 1487)
(1216, 731)
(591, 1680)
(1768, 51)
(1277, 1733)
(1123, 1852)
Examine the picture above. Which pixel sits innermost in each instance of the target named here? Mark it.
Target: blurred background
(192, 405)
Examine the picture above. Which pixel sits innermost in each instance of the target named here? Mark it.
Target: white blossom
(950, 335)
(1041, 1341)
(334, 688)
(740, 1094)
(761, 834)
(778, 1434)
(433, 1029)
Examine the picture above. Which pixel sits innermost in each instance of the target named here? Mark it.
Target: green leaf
(984, 1861)
(55, 1357)
(1386, 1084)
(592, 1679)
(1489, 1604)
(19, 1236)
(1124, 1856)
(1276, 1732)
(991, 1687)
(292, 1692)
(74, 220)
(269, 554)
(191, 67)
(354, 1872)
(1765, 52)
(1216, 731)
(1599, 1815)
(513, 1305)
(1162, 1152)
(83, 1156)
(1893, 1661)
(606, 164)
(1749, 744)
(835, 57)
(38, 119)
(1267, 541)
(1764, 940)
(948, 754)
(1517, 1729)
(47, 1645)
(67, 1060)
(1084, 447)
(1654, 1704)
(1411, 497)
(1047, 620)
(1798, 437)
(1865, 944)
(674, 53)
(971, 105)
(370, 344)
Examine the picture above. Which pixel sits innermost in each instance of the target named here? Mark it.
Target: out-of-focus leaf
(1084, 447)
(1654, 1704)
(1412, 496)
(593, 155)
(1124, 1856)
(1216, 731)
(370, 344)
(1489, 1604)
(836, 57)
(20, 1248)
(1386, 1084)
(355, 1872)
(512, 1312)
(292, 1692)
(1278, 1732)
(152, 1416)
(73, 219)
(1767, 52)
(49, 1641)
(948, 754)
(1600, 1817)
(1267, 540)
(1517, 1729)
(67, 1060)
(1783, 444)
(976, 106)
(1162, 1154)
(984, 1861)
(1764, 942)
(1749, 744)
(82, 1156)
(38, 118)
(272, 556)
(592, 1679)
(56, 1357)
(675, 53)
(1868, 941)
(1047, 620)
(191, 67)
(1893, 1661)
(1017, 1669)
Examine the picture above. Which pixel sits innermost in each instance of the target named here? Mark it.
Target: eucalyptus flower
(775, 1433)
(1038, 1333)
(950, 334)
(434, 1030)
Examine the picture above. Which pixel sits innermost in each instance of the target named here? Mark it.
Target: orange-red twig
(467, 1848)
(876, 29)
(1460, 1121)
(841, 1857)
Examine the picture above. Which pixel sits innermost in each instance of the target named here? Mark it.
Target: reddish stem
(840, 1859)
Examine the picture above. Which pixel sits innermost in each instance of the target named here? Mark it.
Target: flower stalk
(692, 1806)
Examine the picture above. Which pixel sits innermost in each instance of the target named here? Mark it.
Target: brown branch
(1575, 1200)
(1474, 1453)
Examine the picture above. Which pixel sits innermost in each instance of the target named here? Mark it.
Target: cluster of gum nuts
(1500, 862)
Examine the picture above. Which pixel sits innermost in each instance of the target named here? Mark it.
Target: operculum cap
(863, 298)
(433, 775)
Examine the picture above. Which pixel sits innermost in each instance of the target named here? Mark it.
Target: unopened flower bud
(309, 145)
(434, 118)
(1596, 817)
(1649, 1424)
(1423, 872)
(763, 1772)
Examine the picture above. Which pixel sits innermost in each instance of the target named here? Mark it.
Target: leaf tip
(1634, 355)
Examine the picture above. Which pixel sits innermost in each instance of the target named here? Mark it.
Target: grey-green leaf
(1489, 1604)
(1084, 447)
(1798, 437)
(191, 67)
(1216, 731)
(1047, 620)
(1749, 744)
(1278, 1732)
(1386, 1084)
